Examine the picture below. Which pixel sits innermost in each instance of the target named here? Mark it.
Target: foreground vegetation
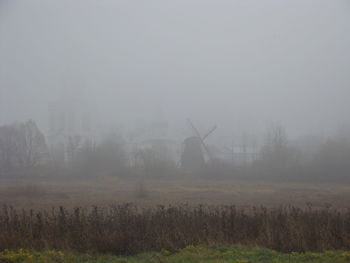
(127, 229)
(234, 254)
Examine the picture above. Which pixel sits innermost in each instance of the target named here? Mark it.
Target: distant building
(156, 138)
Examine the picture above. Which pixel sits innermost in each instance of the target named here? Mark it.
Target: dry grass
(28, 190)
(127, 229)
(29, 221)
(70, 192)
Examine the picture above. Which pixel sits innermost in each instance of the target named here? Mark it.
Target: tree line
(23, 148)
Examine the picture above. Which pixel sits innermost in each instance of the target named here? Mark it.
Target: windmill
(192, 156)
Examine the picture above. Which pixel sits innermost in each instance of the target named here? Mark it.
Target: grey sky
(238, 64)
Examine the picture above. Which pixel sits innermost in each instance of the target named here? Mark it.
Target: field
(94, 220)
(71, 192)
(191, 254)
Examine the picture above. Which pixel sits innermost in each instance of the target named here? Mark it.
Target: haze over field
(238, 64)
(202, 129)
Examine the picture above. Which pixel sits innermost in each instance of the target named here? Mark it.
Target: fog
(174, 130)
(237, 64)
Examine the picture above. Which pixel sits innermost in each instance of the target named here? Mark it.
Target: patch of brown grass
(70, 192)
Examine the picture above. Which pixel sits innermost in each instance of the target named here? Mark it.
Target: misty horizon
(237, 64)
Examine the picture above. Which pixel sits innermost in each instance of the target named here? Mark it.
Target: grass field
(190, 254)
(70, 192)
(128, 229)
(79, 229)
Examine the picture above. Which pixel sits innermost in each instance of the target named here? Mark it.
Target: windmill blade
(204, 145)
(199, 136)
(207, 150)
(194, 128)
(209, 132)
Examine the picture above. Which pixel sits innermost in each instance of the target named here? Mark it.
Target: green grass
(190, 254)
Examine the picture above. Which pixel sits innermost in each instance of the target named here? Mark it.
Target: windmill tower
(193, 156)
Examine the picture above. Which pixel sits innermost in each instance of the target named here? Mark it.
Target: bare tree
(32, 143)
(21, 145)
(73, 146)
(277, 157)
(9, 148)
